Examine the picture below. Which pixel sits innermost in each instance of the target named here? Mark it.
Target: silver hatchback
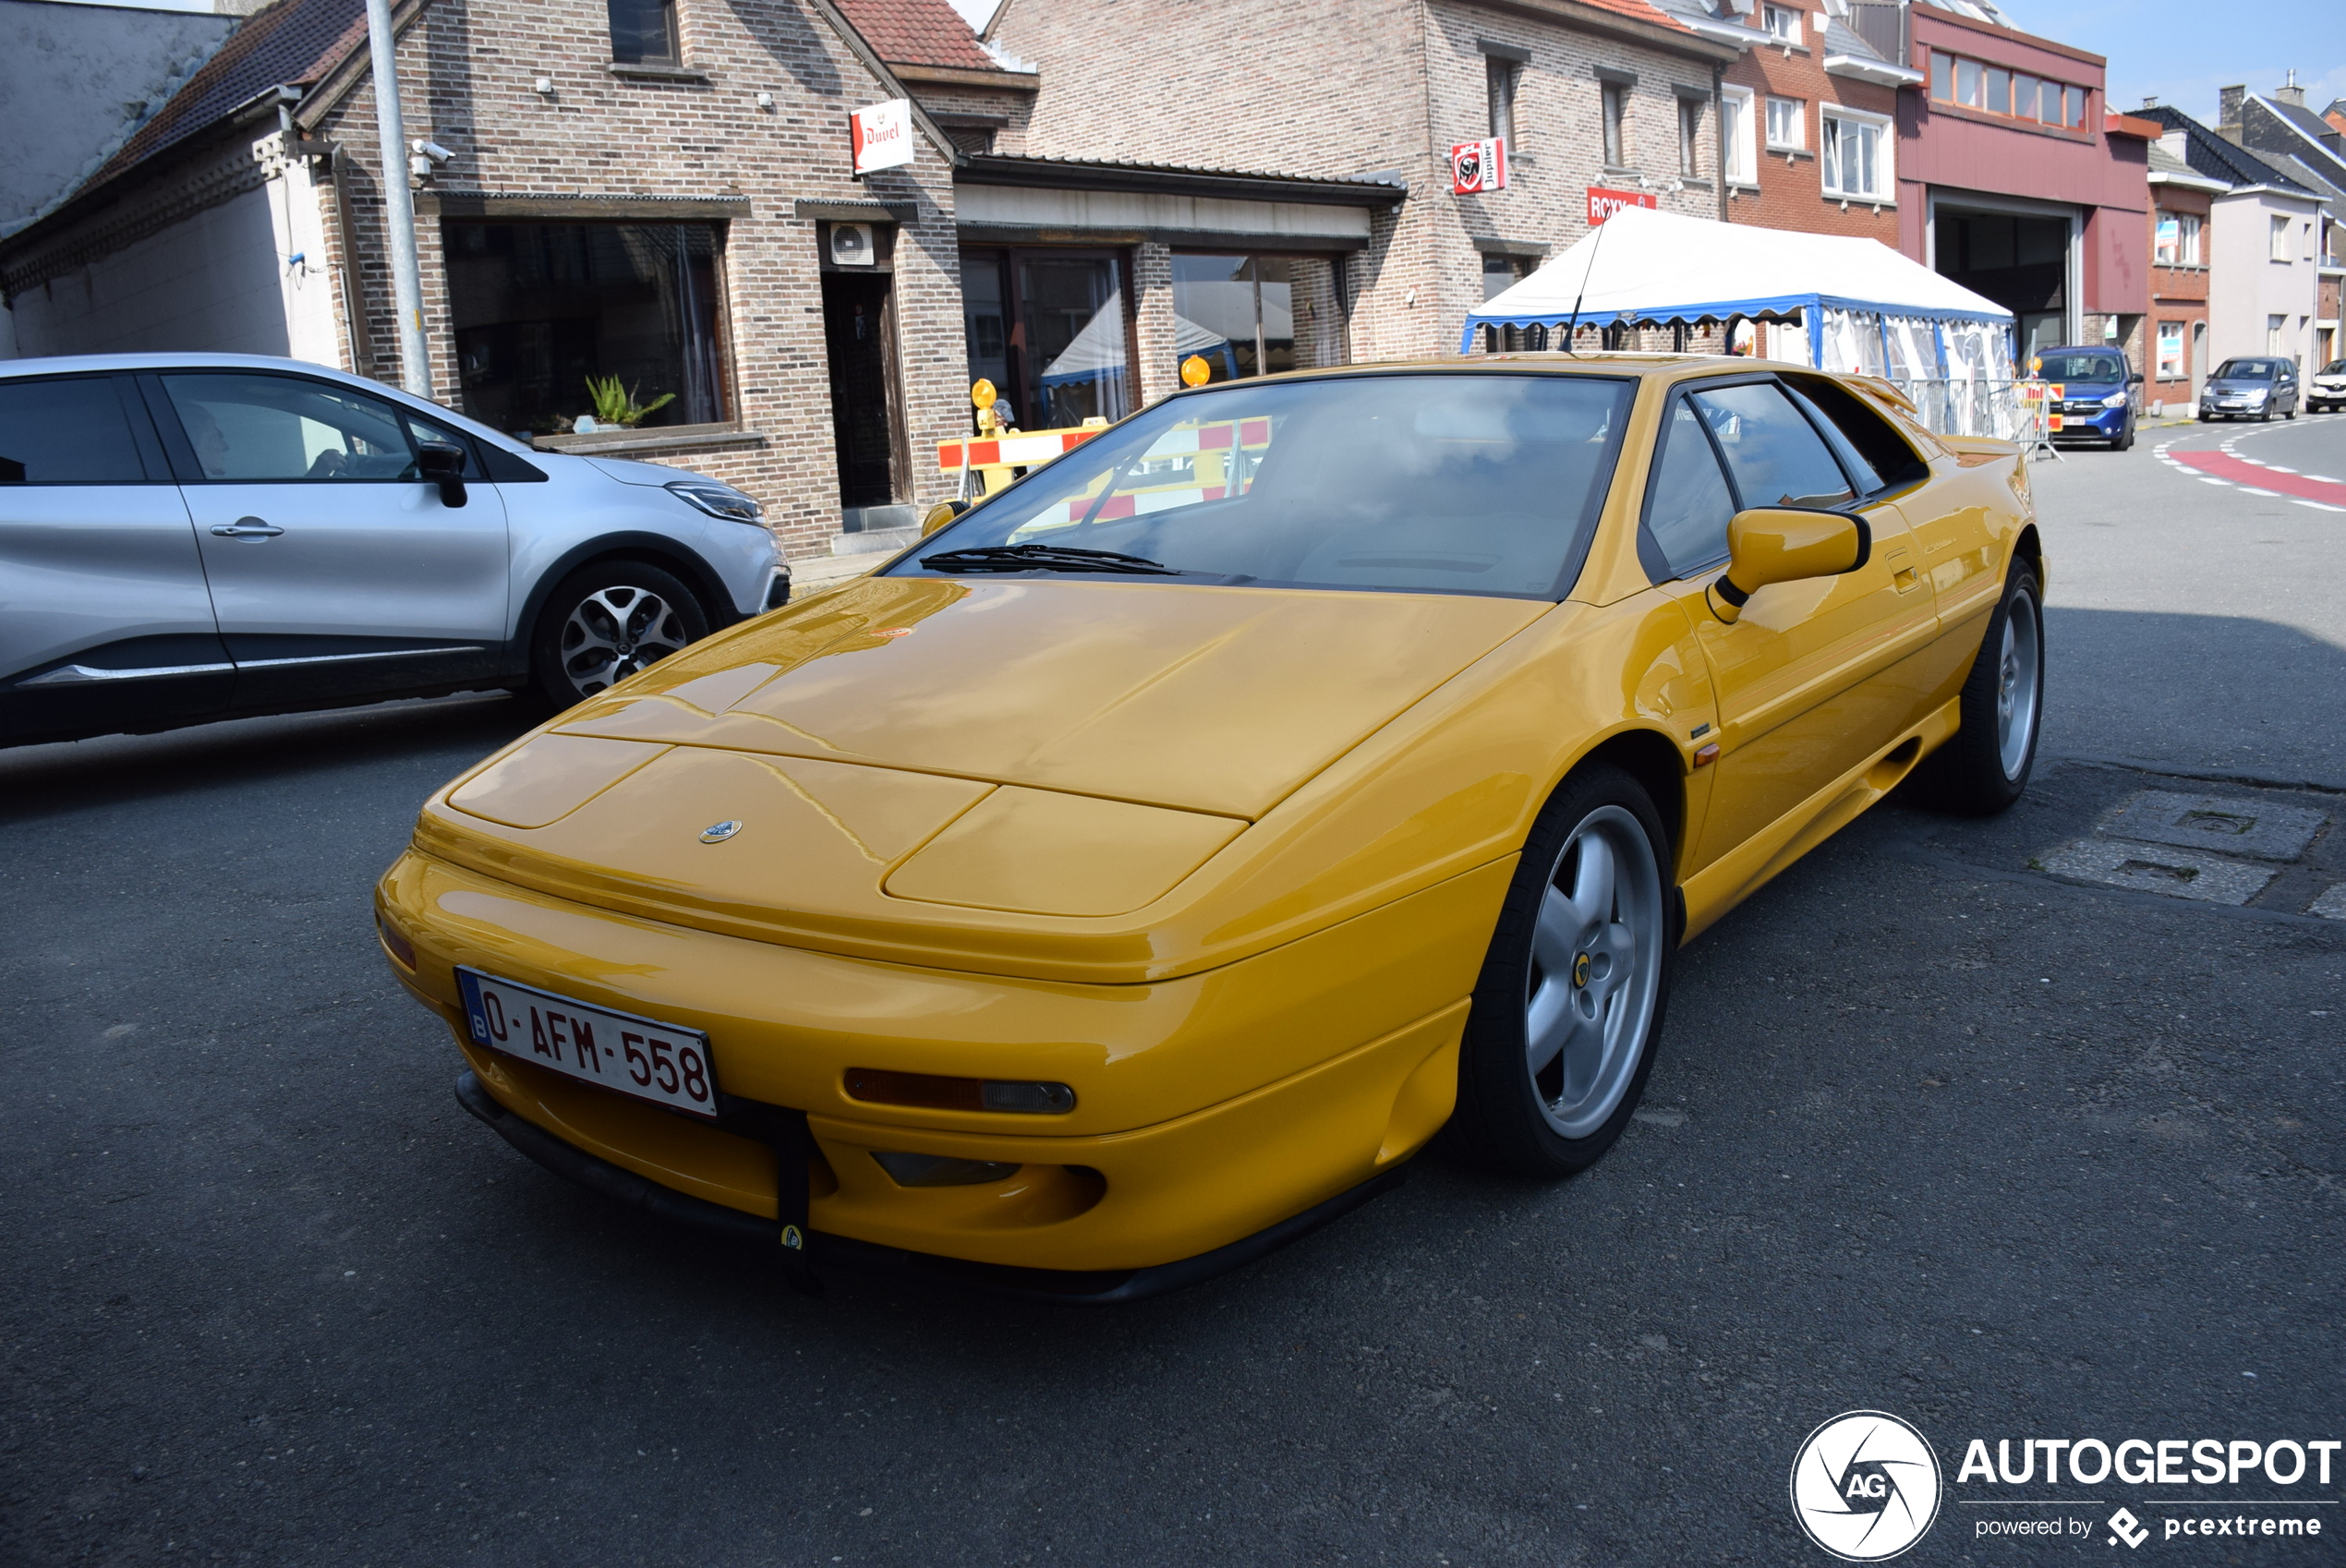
(185, 537)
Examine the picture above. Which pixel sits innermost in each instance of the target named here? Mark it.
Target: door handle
(247, 528)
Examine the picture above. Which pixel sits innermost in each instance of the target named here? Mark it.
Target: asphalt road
(1934, 1132)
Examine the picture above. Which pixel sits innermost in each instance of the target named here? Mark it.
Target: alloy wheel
(613, 632)
(2018, 686)
(1595, 972)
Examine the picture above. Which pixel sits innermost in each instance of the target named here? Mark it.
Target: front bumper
(1210, 1108)
(2098, 424)
(1091, 1287)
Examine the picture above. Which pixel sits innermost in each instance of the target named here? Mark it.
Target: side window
(67, 432)
(1774, 454)
(1688, 507)
(246, 427)
(1867, 444)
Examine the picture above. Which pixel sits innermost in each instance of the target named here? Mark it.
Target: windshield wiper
(1044, 558)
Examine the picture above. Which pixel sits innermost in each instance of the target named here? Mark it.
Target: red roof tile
(920, 32)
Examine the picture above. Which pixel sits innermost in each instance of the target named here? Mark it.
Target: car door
(105, 619)
(334, 567)
(1816, 677)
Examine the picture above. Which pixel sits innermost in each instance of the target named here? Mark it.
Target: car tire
(1984, 769)
(604, 622)
(1580, 964)
(2126, 442)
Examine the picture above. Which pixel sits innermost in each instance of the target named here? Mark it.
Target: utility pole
(399, 204)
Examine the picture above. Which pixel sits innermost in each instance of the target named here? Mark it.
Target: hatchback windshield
(2083, 368)
(2247, 369)
(2335, 368)
(1479, 484)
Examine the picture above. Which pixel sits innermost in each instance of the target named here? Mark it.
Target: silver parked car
(185, 537)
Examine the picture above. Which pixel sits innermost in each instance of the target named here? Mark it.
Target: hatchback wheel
(604, 622)
(1560, 1040)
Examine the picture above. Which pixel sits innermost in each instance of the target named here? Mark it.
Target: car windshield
(1481, 483)
(2060, 367)
(2335, 368)
(2245, 371)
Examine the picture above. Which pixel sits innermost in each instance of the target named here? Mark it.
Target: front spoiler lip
(1087, 1287)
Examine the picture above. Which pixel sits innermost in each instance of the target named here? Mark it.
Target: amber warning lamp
(1195, 372)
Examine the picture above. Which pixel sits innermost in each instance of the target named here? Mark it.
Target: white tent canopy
(1864, 306)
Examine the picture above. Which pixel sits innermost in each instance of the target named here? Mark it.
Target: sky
(2183, 50)
(2180, 50)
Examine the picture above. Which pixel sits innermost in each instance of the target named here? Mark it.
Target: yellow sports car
(1143, 868)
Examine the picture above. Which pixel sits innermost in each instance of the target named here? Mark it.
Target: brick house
(2181, 201)
(1592, 96)
(2263, 226)
(1808, 112)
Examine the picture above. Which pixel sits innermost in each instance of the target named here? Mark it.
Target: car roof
(93, 364)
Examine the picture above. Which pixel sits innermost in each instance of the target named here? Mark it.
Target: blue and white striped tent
(1863, 306)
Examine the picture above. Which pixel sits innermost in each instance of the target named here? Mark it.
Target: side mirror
(1772, 544)
(443, 464)
(944, 512)
(2134, 379)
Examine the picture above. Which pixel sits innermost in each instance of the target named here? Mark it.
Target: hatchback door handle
(247, 528)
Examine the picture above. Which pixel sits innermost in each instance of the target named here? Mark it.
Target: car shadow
(440, 733)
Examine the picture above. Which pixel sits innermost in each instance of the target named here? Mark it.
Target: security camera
(434, 151)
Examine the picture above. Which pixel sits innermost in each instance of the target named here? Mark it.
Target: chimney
(2228, 108)
(2290, 93)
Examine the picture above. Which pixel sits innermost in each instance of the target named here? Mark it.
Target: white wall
(215, 282)
(2246, 287)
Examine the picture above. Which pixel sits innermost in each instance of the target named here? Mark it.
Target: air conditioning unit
(851, 245)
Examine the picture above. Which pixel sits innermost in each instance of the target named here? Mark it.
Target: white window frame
(2171, 369)
(1799, 143)
(2279, 247)
(1769, 14)
(1885, 154)
(1743, 160)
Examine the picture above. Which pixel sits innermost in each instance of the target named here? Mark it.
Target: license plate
(640, 1057)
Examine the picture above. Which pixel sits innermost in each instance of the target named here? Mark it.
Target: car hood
(629, 472)
(1017, 777)
(2241, 386)
(1197, 697)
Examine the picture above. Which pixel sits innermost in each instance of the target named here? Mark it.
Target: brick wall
(1325, 88)
(1790, 194)
(467, 69)
(2178, 293)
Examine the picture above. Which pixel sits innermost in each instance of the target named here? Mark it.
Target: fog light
(938, 1170)
(398, 946)
(938, 1093)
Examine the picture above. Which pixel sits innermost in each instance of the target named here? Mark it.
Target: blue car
(2097, 394)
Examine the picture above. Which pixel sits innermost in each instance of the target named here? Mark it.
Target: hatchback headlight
(2258, 394)
(2115, 400)
(718, 501)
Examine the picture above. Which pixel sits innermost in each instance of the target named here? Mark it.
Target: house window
(1856, 156)
(1787, 125)
(2170, 351)
(1740, 144)
(1500, 77)
(1997, 90)
(2276, 327)
(1689, 136)
(2178, 240)
(1238, 313)
(643, 32)
(2280, 239)
(1783, 24)
(1614, 98)
(539, 308)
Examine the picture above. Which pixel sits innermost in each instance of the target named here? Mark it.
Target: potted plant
(615, 406)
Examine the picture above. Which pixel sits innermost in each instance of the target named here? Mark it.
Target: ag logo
(1865, 1486)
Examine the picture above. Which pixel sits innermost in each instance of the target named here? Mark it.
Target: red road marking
(2226, 466)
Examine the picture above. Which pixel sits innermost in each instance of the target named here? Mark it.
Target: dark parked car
(2251, 389)
(2098, 396)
